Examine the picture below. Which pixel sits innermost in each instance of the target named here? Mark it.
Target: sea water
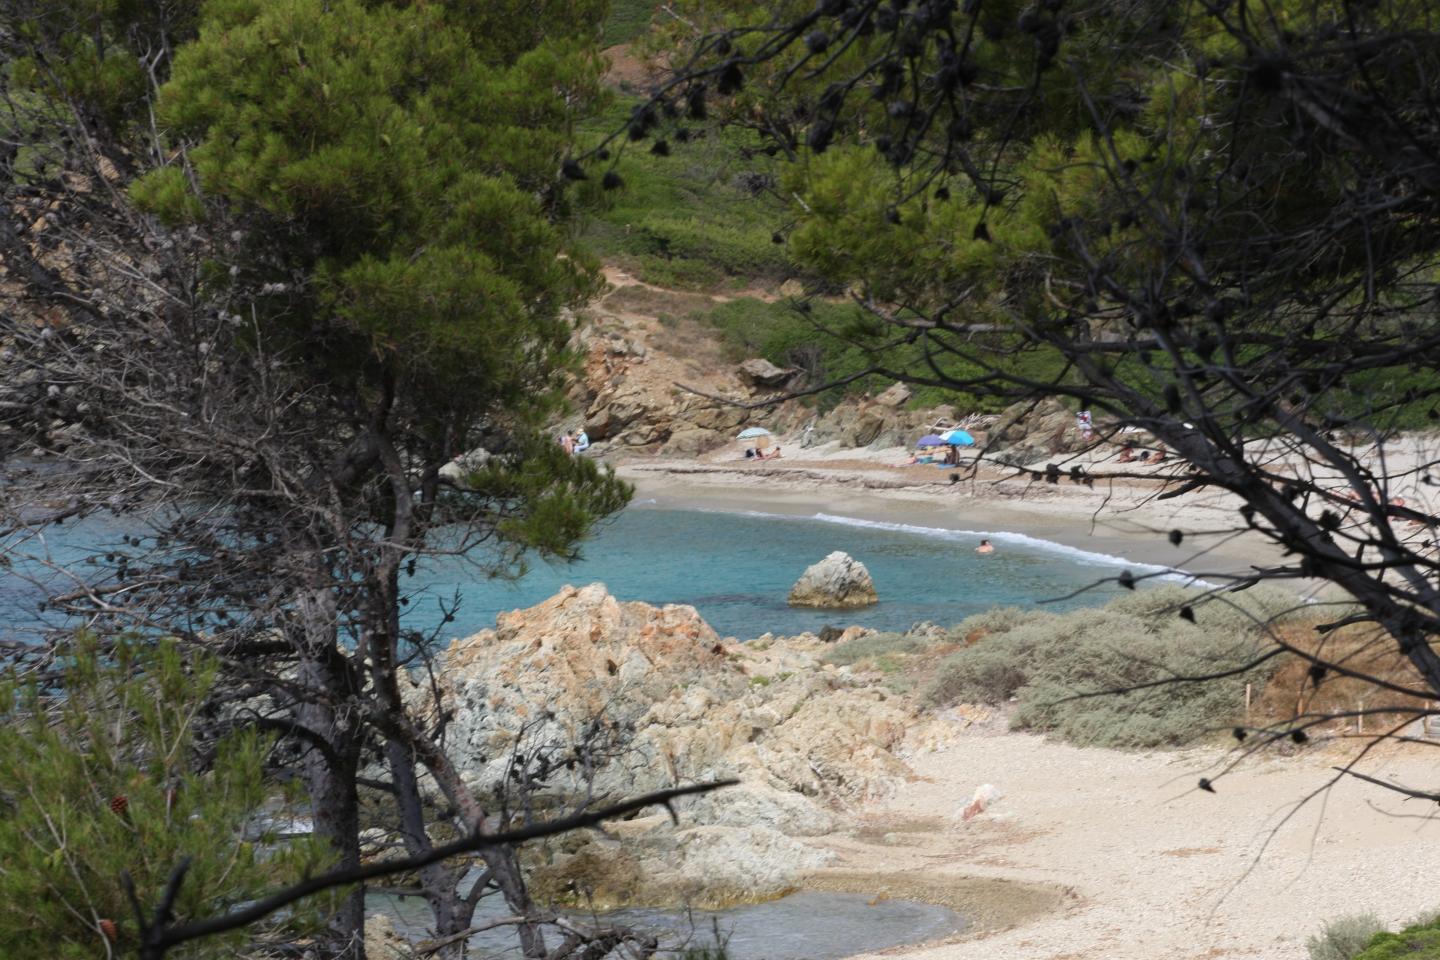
(735, 568)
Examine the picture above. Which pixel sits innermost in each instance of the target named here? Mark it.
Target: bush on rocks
(873, 645)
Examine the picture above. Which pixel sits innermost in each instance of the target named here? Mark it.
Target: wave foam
(1092, 558)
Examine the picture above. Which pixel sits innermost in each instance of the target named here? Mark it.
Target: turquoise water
(736, 569)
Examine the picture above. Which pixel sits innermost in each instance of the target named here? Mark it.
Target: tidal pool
(809, 925)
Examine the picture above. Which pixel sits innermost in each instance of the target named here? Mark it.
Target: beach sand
(1105, 855)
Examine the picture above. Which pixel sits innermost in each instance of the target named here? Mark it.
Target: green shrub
(1046, 661)
(1420, 942)
(872, 646)
(993, 621)
(627, 20)
(107, 779)
(689, 220)
(1344, 938)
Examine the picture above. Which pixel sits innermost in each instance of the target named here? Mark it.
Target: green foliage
(1419, 941)
(1344, 938)
(830, 341)
(628, 19)
(564, 496)
(401, 152)
(688, 220)
(88, 52)
(167, 193)
(874, 646)
(1044, 660)
(107, 778)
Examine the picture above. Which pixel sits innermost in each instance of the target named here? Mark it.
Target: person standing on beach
(985, 547)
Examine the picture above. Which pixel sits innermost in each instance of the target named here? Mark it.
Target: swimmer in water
(985, 547)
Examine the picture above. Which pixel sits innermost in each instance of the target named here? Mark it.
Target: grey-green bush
(1046, 660)
(993, 621)
(873, 645)
(1344, 938)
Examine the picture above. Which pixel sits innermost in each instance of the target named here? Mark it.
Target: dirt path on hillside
(1141, 864)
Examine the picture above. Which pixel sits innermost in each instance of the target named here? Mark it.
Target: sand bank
(1145, 865)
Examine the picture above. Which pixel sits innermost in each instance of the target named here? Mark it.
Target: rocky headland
(587, 696)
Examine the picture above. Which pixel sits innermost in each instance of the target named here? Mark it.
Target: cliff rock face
(837, 581)
(653, 698)
(1029, 431)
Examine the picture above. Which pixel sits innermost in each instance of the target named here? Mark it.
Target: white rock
(837, 581)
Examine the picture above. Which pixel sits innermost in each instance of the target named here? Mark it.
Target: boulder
(688, 441)
(837, 581)
(383, 942)
(897, 395)
(462, 466)
(763, 373)
(866, 427)
(724, 418)
(1044, 427)
(985, 795)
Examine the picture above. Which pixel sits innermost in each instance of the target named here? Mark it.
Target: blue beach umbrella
(750, 433)
(930, 440)
(959, 438)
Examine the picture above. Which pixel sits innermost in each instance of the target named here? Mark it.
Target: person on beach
(1127, 453)
(985, 547)
(567, 443)
(582, 442)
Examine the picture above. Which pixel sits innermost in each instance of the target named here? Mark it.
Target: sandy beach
(1103, 854)
(1140, 864)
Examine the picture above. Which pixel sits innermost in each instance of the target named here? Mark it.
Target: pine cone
(119, 804)
(107, 927)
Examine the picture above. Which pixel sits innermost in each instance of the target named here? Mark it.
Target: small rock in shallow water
(837, 581)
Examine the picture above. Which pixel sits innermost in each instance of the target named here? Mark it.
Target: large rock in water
(657, 699)
(837, 581)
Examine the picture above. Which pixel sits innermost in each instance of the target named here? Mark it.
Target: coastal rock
(985, 795)
(1028, 431)
(383, 942)
(837, 581)
(763, 373)
(462, 466)
(688, 440)
(897, 395)
(644, 861)
(649, 697)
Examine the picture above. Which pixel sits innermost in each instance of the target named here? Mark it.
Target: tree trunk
(440, 883)
(335, 807)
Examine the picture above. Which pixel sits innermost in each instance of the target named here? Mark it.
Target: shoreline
(1122, 531)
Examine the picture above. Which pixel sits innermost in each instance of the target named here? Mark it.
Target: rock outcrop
(763, 373)
(838, 581)
(1029, 431)
(896, 395)
(652, 697)
(875, 422)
